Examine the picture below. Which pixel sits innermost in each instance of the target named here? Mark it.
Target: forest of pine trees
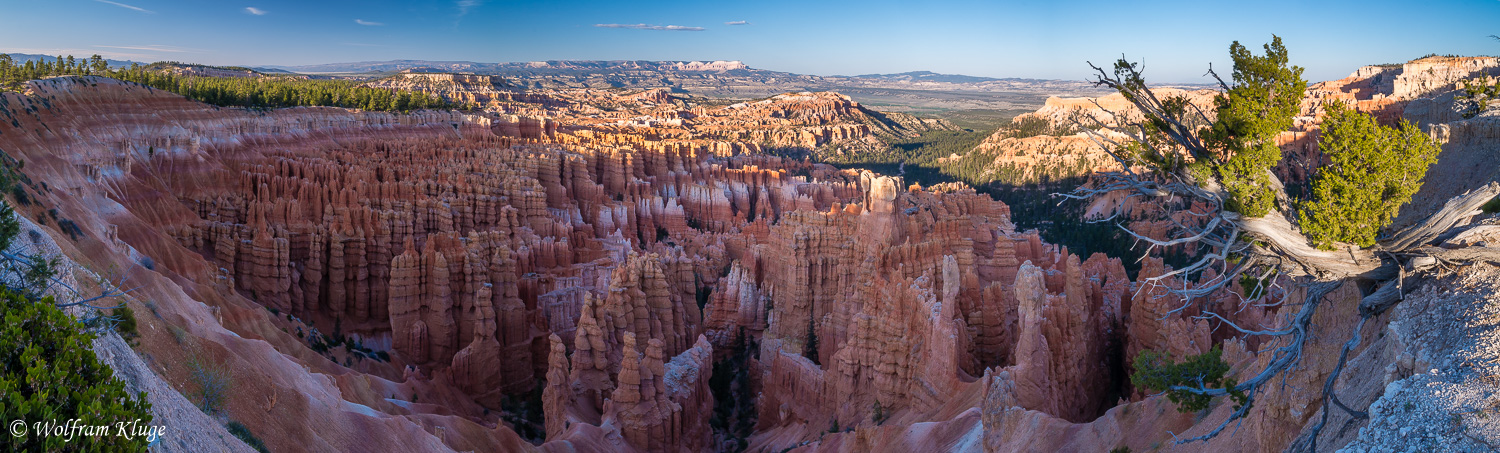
(255, 92)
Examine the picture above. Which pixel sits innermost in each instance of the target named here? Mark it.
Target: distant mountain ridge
(22, 58)
(530, 67)
(735, 79)
(929, 76)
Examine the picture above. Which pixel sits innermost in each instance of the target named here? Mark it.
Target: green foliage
(18, 191)
(68, 226)
(1156, 372)
(810, 349)
(256, 92)
(941, 156)
(239, 430)
(734, 414)
(1033, 126)
(37, 271)
(1261, 103)
(51, 374)
(924, 150)
(524, 412)
(277, 92)
(9, 226)
(1476, 95)
(13, 75)
(1373, 170)
(125, 324)
(213, 381)
(1493, 206)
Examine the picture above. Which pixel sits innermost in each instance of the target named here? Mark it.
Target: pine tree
(1372, 171)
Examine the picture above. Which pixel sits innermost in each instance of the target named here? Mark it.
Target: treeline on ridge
(254, 92)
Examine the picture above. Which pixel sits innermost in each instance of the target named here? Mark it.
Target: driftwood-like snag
(1265, 248)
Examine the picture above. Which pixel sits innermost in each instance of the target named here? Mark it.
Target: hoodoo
(689, 256)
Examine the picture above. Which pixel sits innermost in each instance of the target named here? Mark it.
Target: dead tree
(37, 277)
(1265, 248)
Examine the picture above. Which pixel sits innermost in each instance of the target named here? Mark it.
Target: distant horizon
(1177, 39)
(750, 66)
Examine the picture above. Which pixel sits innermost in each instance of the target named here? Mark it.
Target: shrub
(1492, 207)
(19, 191)
(1373, 170)
(178, 334)
(214, 383)
(125, 324)
(1475, 95)
(71, 228)
(1156, 372)
(239, 430)
(50, 373)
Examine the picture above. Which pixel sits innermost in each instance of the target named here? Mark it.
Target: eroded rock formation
(619, 261)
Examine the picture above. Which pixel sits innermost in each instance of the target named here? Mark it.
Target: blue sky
(1042, 39)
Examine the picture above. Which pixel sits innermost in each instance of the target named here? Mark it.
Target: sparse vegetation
(18, 191)
(71, 228)
(1032, 126)
(734, 413)
(810, 349)
(243, 433)
(524, 413)
(1476, 94)
(922, 151)
(125, 324)
(1493, 206)
(1156, 372)
(213, 381)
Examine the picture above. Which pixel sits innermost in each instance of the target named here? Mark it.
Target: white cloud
(737, 22)
(122, 5)
(255, 11)
(155, 48)
(465, 5)
(368, 23)
(651, 27)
